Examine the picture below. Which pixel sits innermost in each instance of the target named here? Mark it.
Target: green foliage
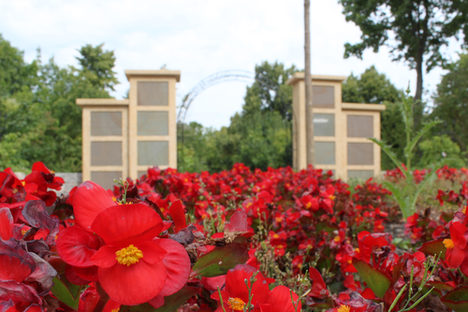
(39, 119)
(69, 296)
(97, 66)
(259, 136)
(370, 87)
(221, 259)
(192, 144)
(270, 90)
(376, 280)
(451, 103)
(15, 74)
(440, 148)
(406, 194)
(415, 32)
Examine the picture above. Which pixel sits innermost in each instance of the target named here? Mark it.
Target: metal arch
(209, 81)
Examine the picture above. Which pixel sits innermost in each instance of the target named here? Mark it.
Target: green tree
(414, 30)
(451, 103)
(192, 147)
(440, 149)
(44, 123)
(271, 90)
(375, 88)
(15, 73)
(97, 65)
(259, 136)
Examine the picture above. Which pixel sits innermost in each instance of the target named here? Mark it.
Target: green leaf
(425, 130)
(441, 285)
(393, 157)
(434, 247)
(457, 299)
(376, 280)
(324, 226)
(173, 302)
(60, 290)
(221, 259)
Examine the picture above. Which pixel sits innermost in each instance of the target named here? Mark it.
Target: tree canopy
(451, 102)
(414, 30)
(39, 119)
(259, 136)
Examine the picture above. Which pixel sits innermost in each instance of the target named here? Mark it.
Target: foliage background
(39, 119)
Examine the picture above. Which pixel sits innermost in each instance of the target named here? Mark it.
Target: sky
(200, 38)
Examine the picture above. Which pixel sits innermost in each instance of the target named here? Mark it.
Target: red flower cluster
(457, 244)
(118, 246)
(246, 288)
(27, 238)
(135, 245)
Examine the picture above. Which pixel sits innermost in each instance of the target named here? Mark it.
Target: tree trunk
(308, 87)
(418, 106)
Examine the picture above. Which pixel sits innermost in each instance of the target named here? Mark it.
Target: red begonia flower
(130, 263)
(457, 247)
(235, 295)
(133, 264)
(318, 288)
(88, 200)
(76, 246)
(281, 299)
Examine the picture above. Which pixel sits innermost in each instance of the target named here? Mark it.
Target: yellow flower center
(128, 255)
(115, 310)
(343, 308)
(448, 243)
(337, 239)
(236, 304)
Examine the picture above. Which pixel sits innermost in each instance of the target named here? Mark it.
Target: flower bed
(237, 240)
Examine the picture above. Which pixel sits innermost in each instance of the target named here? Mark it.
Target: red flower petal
(279, 300)
(238, 222)
(177, 263)
(319, 288)
(81, 276)
(153, 252)
(88, 200)
(111, 306)
(15, 263)
(12, 268)
(122, 222)
(18, 292)
(455, 257)
(6, 224)
(34, 308)
(76, 246)
(134, 284)
(464, 265)
(89, 300)
(177, 213)
(105, 256)
(236, 287)
(457, 233)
